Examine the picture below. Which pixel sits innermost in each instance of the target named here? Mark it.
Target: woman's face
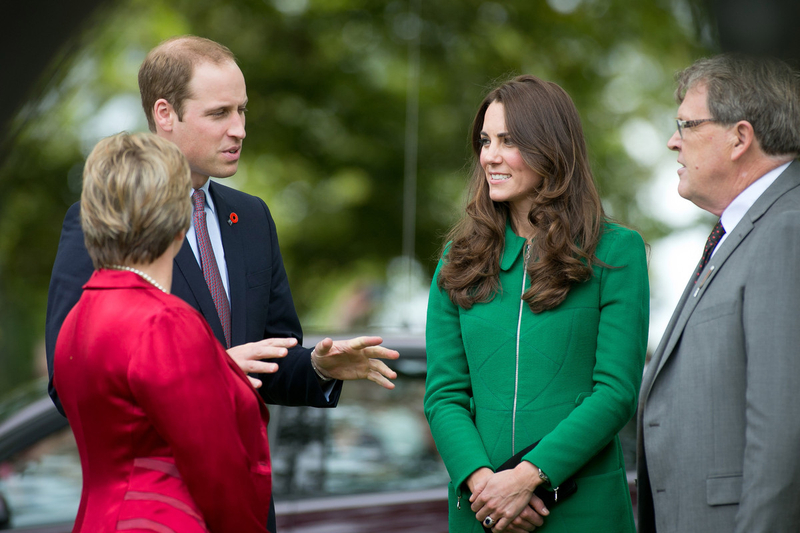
(510, 178)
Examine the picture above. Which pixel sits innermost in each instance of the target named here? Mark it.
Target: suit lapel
(186, 266)
(694, 292)
(666, 340)
(234, 261)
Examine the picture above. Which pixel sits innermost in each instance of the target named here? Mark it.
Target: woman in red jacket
(171, 434)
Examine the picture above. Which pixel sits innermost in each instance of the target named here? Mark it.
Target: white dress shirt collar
(740, 205)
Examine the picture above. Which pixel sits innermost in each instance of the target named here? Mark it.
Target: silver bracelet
(320, 375)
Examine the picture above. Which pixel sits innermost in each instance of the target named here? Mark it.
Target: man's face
(212, 129)
(705, 153)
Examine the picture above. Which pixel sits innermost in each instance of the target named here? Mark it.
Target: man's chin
(226, 172)
(199, 179)
(683, 191)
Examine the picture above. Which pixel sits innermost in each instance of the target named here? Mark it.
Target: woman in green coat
(537, 327)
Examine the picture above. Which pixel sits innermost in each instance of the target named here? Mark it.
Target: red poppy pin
(233, 219)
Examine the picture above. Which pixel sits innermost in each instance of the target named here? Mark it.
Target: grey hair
(761, 90)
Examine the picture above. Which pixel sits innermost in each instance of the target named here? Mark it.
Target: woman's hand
(477, 480)
(507, 497)
(530, 518)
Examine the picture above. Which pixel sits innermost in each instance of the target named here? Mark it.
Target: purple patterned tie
(208, 263)
(711, 243)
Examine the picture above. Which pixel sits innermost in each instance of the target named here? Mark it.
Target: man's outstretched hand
(358, 358)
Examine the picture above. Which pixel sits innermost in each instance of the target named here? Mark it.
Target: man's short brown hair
(167, 71)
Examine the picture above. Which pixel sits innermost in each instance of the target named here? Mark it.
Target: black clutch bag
(551, 498)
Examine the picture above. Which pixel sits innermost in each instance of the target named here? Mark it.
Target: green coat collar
(513, 248)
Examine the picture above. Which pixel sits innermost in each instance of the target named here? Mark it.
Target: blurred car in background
(40, 472)
(368, 465)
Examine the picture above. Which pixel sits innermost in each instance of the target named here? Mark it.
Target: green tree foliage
(326, 124)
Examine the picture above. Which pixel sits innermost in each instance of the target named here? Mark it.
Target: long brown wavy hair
(566, 213)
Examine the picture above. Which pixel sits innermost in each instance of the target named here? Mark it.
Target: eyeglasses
(682, 124)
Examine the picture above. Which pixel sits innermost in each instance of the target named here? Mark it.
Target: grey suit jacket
(719, 409)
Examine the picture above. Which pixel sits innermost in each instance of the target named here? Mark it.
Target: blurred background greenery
(356, 132)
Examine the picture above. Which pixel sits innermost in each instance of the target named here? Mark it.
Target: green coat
(580, 366)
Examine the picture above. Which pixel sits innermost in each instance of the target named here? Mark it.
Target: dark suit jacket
(261, 302)
(168, 427)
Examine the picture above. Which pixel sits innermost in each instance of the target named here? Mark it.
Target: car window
(42, 483)
(376, 440)
(24, 395)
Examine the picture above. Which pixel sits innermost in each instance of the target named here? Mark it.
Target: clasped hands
(508, 498)
(358, 358)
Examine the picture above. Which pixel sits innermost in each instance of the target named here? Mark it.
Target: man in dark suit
(718, 424)
(230, 266)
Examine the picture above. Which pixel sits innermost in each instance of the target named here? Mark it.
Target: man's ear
(744, 138)
(164, 115)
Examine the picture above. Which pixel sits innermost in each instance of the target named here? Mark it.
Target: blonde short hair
(135, 199)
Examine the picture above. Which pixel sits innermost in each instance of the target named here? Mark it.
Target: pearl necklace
(145, 276)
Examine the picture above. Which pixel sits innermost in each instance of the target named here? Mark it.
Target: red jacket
(169, 429)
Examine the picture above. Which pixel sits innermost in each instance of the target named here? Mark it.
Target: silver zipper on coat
(516, 362)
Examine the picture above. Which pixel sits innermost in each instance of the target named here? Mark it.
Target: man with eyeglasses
(719, 412)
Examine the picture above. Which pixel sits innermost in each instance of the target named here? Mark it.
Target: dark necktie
(711, 243)
(208, 263)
